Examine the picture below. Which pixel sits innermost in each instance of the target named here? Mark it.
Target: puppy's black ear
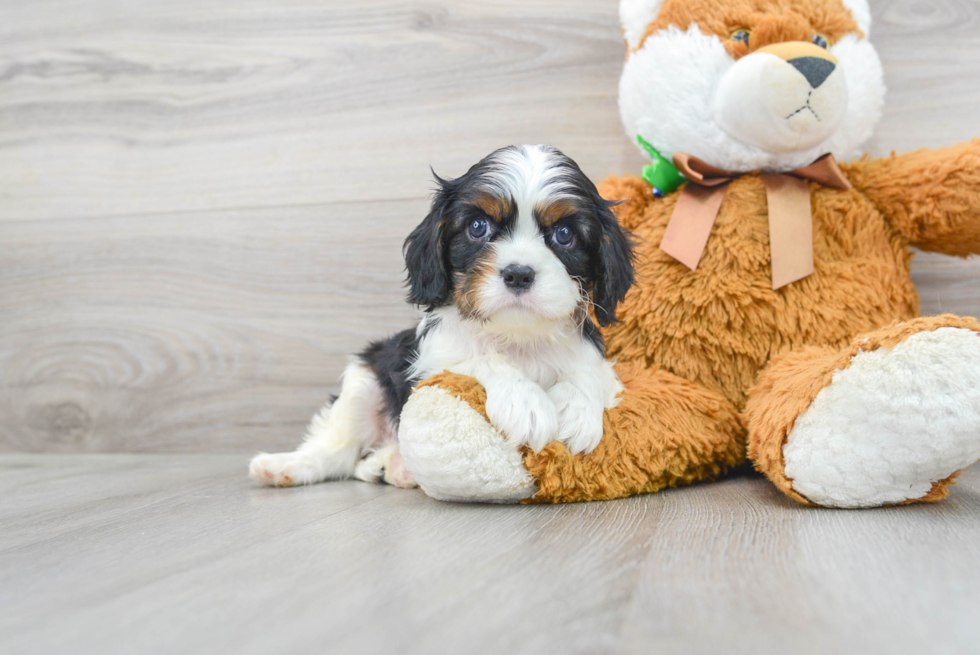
(615, 266)
(429, 284)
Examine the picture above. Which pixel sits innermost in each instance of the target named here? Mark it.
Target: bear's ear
(861, 13)
(635, 16)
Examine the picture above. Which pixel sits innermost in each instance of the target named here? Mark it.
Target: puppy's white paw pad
(579, 418)
(525, 415)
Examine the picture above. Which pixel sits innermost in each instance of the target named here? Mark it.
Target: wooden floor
(181, 554)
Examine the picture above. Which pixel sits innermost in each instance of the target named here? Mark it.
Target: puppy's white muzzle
(782, 98)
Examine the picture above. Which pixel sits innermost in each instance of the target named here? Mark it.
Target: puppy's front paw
(524, 413)
(579, 418)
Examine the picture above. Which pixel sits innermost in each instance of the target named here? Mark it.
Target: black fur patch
(390, 360)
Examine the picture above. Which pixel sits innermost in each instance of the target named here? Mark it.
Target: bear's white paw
(524, 413)
(891, 424)
(579, 418)
(454, 454)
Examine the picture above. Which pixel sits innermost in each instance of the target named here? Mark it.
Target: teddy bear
(773, 319)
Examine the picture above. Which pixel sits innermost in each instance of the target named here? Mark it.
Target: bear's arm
(932, 197)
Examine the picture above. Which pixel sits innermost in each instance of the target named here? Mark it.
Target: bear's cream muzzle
(782, 98)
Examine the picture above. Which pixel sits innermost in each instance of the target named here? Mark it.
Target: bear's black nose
(517, 277)
(814, 69)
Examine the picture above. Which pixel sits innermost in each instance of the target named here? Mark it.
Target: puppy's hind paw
(284, 469)
(397, 475)
(371, 468)
(385, 465)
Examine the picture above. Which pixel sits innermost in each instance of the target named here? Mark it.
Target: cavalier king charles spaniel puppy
(507, 265)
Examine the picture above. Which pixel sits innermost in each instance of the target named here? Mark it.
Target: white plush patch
(635, 16)
(455, 455)
(891, 424)
(668, 93)
(865, 95)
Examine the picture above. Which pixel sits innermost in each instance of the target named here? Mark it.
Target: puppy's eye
(479, 228)
(564, 236)
(742, 36)
(820, 40)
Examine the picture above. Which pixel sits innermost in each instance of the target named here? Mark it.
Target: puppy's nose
(814, 69)
(517, 277)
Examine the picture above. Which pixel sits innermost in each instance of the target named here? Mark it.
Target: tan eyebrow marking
(493, 206)
(549, 214)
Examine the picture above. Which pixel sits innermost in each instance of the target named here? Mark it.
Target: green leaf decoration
(662, 175)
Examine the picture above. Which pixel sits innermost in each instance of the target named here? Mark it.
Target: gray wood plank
(201, 211)
(164, 554)
(162, 107)
(128, 336)
(931, 55)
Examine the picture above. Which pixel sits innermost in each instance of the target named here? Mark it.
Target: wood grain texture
(153, 108)
(181, 554)
(135, 337)
(201, 209)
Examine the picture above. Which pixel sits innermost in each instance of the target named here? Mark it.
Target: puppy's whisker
(585, 303)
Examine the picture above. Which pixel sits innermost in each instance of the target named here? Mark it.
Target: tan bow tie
(790, 217)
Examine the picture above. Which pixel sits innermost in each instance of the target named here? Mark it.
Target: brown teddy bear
(774, 315)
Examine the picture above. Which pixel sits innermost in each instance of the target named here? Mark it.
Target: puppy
(507, 264)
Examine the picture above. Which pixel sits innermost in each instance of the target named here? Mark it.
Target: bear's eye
(820, 40)
(742, 36)
(478, 228)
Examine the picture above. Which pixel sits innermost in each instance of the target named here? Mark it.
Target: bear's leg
(889, 420)
(665, 431)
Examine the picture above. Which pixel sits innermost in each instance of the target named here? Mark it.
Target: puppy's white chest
(541, 365)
